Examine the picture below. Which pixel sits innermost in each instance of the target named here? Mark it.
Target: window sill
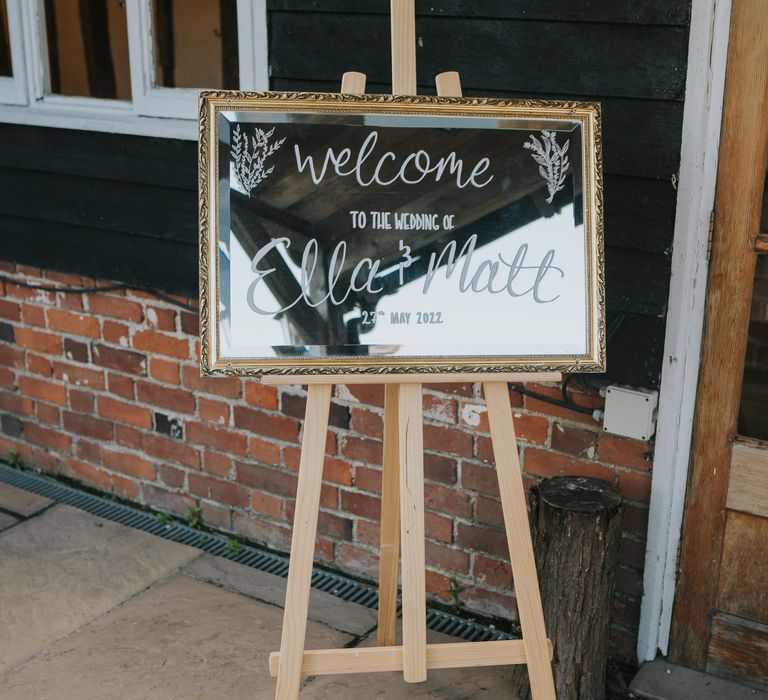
(106, 120)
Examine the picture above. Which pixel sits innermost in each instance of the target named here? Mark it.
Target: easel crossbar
(374, 659)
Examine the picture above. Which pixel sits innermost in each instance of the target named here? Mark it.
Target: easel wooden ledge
(402, 509)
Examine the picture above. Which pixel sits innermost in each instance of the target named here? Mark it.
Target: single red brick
(574, 441)
(334, 526)
(538, 406)
(7, 378)
(87, 425)
(88, 451)
(636, 487)
(115, 333)
(42, 459)
(225, 387)
(625, 452)
(76, 375)
(439, 468)
(361, 504)
(213, 411)
(11, 356)
(81, 401)
(291, 458)
(218, 490)
(337, 471)
(366, 422)
(37, 295)
(73, 324)
(121, 386)
(632, 551)
(48, 414)
(449, 558)
(83, 471)
(439, 408)
(492, 572)
(268, 424)
(217, 516)
(479, 478)
(128, 463)
(329, 496)
(217, 438)
(546, 463)
(43, 389)
(162, 370)
(361, 561)
(10, 310)
(447, 500)
(437, 584)
(162, 344)
(370, 394)
(500, 603)
(129, 437)
(261, 530)
(167, 500)
(264, 451)
(13, 403)
(115, 307)
(162, 319)
(121, 360)
(171, 476)
(367, 479)
(482, 539)
(361, 449)
(438, 527)
(629, 581)
(170, 450)
(178, 400)
(47, 437)
(260, 395)
(76, 351)
(488, 510)
(331, 447)
(123, 412)
(33, 315)
(635, 518)
(217, 463)
(125, 487)
(39, 341)
(63, 278)
(368, 532)
(267, 504)
(37, 364)
(263, 478)
(450, 440)
(189, 322)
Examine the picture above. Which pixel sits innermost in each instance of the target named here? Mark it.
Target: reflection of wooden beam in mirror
(308, 325)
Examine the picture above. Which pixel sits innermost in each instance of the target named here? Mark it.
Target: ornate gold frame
(588, 113)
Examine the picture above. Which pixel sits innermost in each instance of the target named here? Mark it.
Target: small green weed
(194, 517)
(14, 459)
(455, 589)
(233, 546)
(164, 518)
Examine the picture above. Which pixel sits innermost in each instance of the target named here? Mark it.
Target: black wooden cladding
(125, 207)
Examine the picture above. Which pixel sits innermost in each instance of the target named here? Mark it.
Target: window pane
(88, 48)
(195, 43)
(5, 42)
(753, 418)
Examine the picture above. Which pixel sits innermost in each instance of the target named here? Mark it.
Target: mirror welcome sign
(375, 234)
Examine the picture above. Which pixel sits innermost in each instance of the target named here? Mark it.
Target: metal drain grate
(338, 586)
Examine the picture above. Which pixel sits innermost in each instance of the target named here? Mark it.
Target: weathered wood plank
(623, 60)
(744, 576)
(671, 12)
(158, 212)
(738, 649)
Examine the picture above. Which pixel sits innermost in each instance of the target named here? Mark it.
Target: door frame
(741, 174)
(702, 115)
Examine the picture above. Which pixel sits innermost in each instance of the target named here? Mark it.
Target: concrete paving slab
(7, 520)
(66, 567)
(661, 680)
(20, 502)
(182, 638)
(323, 607)
(489, 683)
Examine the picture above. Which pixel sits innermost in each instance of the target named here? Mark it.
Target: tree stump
(577, 529)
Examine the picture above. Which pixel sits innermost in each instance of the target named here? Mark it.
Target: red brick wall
(105, 388)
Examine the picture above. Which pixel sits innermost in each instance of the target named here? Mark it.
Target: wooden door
(720, 619)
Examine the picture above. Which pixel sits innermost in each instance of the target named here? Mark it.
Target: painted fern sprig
(250, 156)
(552, 159)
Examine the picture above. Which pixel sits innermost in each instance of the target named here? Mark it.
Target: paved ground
(90, 609)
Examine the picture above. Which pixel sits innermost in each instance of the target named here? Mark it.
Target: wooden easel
(402, 504)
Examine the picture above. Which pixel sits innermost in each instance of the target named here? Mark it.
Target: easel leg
(303, 542)
(411, 439)
(519, 538)
(390, 519)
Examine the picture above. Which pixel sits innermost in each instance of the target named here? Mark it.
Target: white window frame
(152, 110)
(13, 89)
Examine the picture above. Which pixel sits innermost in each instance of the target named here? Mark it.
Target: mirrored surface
(391, 235)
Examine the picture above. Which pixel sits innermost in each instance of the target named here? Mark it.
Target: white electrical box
(630, 412)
